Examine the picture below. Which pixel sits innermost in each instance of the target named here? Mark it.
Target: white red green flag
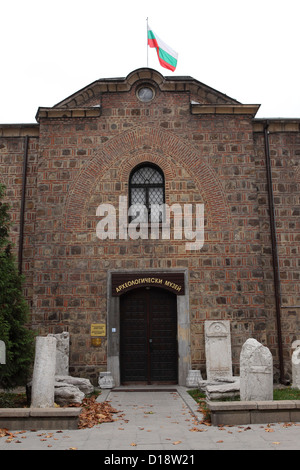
(166, 56)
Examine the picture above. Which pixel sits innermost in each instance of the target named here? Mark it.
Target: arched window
(146, 187)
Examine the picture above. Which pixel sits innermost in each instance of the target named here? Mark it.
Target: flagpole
(147, 41)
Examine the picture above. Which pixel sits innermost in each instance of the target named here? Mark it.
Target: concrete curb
(254, 412)
(39, 418)
(190, 402)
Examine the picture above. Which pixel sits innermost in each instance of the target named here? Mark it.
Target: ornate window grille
(146, 188)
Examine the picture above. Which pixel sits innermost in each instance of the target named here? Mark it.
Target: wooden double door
(148, 336)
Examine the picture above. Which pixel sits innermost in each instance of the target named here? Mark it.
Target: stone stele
(218, 350)
(296, 368)
(256, 372)
(42, 393)
(2, 352)
(62, 352)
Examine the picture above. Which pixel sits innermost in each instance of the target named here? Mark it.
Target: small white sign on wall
(2, 353)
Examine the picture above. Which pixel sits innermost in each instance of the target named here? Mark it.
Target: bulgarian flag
(166, 56)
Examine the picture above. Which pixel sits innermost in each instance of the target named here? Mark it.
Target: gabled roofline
(169, 83)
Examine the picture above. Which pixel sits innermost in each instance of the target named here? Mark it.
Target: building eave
(201, 109)
(19, 130)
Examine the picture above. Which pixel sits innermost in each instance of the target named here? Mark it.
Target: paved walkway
(151, 421)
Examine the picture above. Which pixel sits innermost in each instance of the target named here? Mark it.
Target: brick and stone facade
(212, 151)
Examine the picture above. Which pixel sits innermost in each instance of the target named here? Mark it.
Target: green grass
(286, 393)
(197, 395)
(13, 400)
(200, 398)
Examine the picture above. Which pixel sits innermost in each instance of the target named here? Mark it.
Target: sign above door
(123, 282)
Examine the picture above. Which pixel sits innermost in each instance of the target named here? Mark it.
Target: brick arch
(146, 141)
(141, 157)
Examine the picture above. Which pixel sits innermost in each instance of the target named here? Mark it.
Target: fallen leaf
(176, 442)
(133, 444)
(219, 441)
(275, 442)
(5, 432)
(94, 413)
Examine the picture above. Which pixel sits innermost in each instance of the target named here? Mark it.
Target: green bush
(14, 311)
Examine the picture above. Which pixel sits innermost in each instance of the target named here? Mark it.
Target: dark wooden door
(148, 331)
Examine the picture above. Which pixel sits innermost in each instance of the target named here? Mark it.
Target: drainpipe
(22, 211)
(274, 252)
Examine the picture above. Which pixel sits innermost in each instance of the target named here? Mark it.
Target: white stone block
(106, 380)
(193, 378)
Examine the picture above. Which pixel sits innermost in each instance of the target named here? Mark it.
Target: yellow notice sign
(98, 329)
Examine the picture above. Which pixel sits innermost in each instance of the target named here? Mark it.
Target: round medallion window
(145, 94)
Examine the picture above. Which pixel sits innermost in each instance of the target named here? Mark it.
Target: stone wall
(12, 155)
(284, 144)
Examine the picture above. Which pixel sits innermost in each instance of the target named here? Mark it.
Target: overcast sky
(248, 50)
